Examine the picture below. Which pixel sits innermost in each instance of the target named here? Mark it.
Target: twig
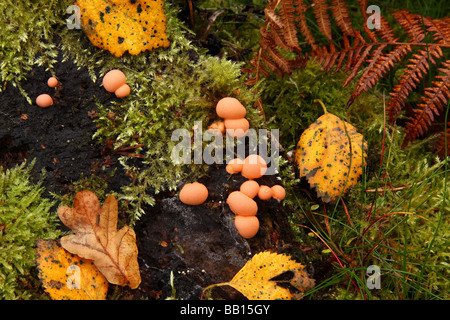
(346, 212)
(382, 190)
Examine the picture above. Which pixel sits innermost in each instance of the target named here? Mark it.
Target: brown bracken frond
(320, 8)
(434, 100)
(414, 73)
(379, 65)
(300, 12)
(289, 29)
(442, 143)
(411, 43)
(411, 24)
(342, 18)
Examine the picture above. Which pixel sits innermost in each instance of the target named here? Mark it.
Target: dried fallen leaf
(96, 238)
(255, 279)
(66, 276)
(331, 155)
(119, 26)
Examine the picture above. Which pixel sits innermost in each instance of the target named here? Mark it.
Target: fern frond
(278, 58)
(320, 8)
(359, 59)
(270, 15)
(330, 58)
(369, 54)
(412, 25)
(300, 11)
(276, 34)
(287, 17)
(370, 33)
(439, 28)
(413, 75)
(378, 67)
(433, 103)
(442, 143)
(385, 31)
(340, 14)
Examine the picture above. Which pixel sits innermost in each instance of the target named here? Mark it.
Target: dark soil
(199, 244)
(58, 138)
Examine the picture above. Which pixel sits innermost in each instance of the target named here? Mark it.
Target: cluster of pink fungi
(45, 100)
(114, 81)
(241, 202)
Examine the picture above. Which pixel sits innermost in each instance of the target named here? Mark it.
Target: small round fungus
(234, 166)
(247, 226)
(193, 193)
(278, 192)
(241, 204)
(217, 125)
(44, 100)
(237, 127)
(230, 108)
(52, 82)
(250, 188)
(254, 167)
(265, 193)
(113, 80)
(123, 91)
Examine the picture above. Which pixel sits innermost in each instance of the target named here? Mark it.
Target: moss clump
(289, 106)
(414, 234)
(171, 89)
(25, 216)
(182, 96)
(410, 240)
(289, 101)
(26, 37)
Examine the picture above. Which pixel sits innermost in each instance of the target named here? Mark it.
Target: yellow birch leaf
(255, 282)
(66, 276)
(119, 26)
(331, 155)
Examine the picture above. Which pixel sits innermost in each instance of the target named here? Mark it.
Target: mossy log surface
(199, 244)
(58, 137)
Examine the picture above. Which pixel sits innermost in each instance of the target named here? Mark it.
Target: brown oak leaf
(96, 238)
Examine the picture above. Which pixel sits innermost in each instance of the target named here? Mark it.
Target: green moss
(26, 37)
(289, 102)
(289, 106)
(416, 235)
(185, 93)
(25, 216)
(171, 89)
(410, 241)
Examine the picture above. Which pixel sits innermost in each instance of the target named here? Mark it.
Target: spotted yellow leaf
(256, 279)
(66, 276)
(331, 155)
(124, 25)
